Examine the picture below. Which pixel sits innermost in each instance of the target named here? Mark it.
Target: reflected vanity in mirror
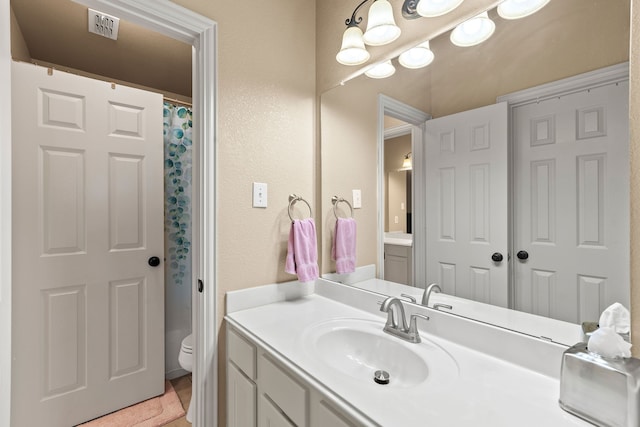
(553, 203)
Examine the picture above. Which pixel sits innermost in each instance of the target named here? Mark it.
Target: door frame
(200, 32)
(604, 76)
(416, 118)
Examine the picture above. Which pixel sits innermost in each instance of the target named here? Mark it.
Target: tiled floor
(182, 386)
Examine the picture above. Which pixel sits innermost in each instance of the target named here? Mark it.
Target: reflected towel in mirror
(343, 250)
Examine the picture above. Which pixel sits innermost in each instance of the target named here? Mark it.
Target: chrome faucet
(427, 293)
(395, 310)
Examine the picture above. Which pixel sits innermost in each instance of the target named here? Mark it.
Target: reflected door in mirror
(466, 211)
(571, 203)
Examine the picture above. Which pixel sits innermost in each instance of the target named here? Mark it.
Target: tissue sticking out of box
(607, 343)
(616, 316)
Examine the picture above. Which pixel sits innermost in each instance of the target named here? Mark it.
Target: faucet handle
(409, 297)
(413, 326)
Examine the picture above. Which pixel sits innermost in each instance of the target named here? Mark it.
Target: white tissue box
(603, 391)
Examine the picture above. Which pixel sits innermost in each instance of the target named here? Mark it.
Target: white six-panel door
(466, 212)
(571, 201)
(88, 309)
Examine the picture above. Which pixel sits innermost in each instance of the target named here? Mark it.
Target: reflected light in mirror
(406, 163)
(473, 31)
(352, 51)
(381, 70)
(432, 8)
(381, 27)
(417, 57)
(516, 9)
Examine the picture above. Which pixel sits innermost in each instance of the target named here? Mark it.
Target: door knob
(497, 257)
(154, 261)
(522, 255)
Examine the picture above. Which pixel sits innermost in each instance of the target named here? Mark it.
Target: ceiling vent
(103, 24)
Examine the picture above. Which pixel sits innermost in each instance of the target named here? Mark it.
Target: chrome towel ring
(292, 201)
(335, 200)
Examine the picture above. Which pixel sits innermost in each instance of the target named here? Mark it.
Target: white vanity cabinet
(262, 392)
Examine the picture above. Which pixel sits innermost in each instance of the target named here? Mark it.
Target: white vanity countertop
(399, 239)
(487, 392)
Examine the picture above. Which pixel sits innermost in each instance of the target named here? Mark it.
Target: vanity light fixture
(352, 51)
(473, 31)
(432, 8)
(381, 27)
(417, 57)
(381, 70)
(406, 163)
(516, 9)
(381, 30)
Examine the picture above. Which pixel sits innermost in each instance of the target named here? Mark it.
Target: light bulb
(417, 57)
(473, 31)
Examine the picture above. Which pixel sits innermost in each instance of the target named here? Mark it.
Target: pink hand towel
(302, 250)
(343, 250)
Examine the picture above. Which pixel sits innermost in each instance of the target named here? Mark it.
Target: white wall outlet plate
(259, 195)
(357, 199)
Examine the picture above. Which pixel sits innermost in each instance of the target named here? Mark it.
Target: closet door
(88, 300)
(466, 212)
(571, 203)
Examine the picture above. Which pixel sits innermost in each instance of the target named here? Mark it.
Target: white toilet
(185, 359)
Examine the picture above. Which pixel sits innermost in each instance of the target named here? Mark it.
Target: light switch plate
(357, 199)
(259, 195)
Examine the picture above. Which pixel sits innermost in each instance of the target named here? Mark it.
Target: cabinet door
(395, 269)
(241, 399)
(271, 416)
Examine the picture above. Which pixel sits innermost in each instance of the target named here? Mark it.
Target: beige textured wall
(19, 50)
(634, 113)
(266, 133)
(563, 39)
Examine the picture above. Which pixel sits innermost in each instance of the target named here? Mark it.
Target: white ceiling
(55, 31)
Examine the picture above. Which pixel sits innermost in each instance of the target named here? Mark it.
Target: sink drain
(381, 377)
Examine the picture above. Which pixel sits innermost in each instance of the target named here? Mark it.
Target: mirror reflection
(397, 183)
(565, 208)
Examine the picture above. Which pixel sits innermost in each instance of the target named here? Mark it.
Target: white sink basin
(358, 348)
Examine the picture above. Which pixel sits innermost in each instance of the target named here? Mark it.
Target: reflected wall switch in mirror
(401, 206)
(259, 195)
(357, 199)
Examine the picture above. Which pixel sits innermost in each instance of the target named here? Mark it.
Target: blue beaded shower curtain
(177, 126)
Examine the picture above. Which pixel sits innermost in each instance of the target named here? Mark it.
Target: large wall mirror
(566, 38)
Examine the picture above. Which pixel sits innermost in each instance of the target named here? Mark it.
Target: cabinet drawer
(242, 353)
(285, 392)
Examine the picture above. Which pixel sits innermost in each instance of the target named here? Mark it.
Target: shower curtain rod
(177, 101)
